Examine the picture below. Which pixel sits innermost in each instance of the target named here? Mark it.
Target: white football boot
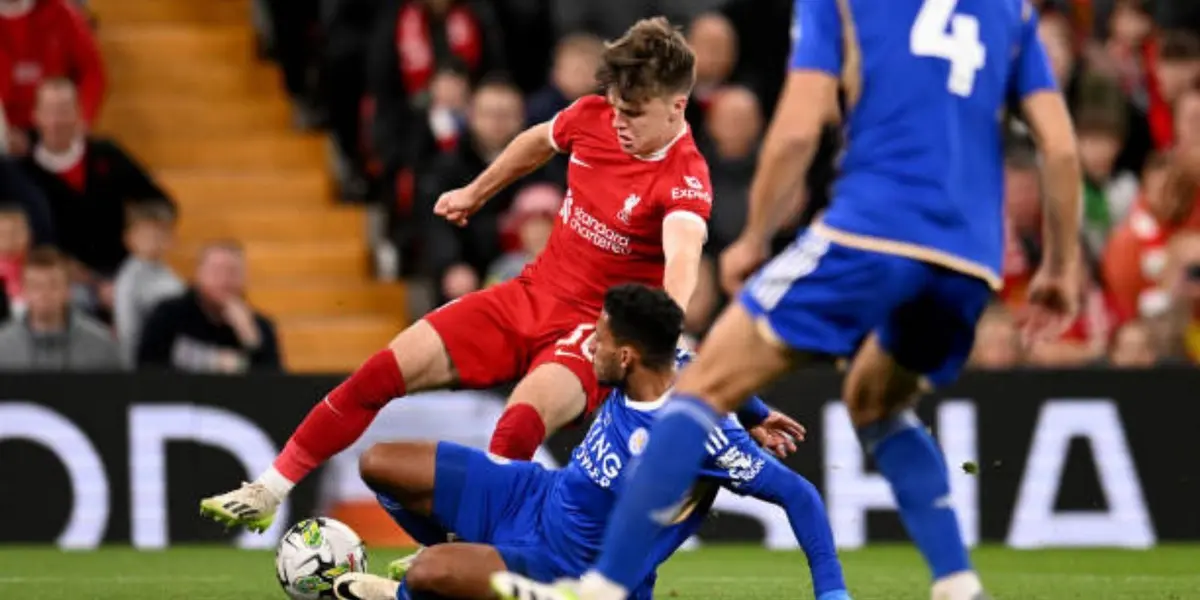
(364, 586)
(251, 506)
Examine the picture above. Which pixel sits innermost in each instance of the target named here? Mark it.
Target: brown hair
(652, 59)
(151, 212)
(1179, 45)
(46, 257)
(50, 83)
(1156, 160)
(1100, 121)
(12, 209)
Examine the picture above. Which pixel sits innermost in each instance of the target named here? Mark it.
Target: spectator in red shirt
(1136, 255)
(40, 40)
(414, 41)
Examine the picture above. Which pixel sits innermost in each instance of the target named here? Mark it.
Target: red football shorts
(497, 335)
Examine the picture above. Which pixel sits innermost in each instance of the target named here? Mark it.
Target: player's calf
(879, 394)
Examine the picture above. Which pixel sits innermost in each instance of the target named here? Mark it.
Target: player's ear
(628, 357)
(679, 103)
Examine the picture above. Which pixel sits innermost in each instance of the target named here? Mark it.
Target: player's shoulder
(590, 105)
(686, 153)
(687, 169)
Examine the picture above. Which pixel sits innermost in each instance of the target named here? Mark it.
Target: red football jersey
(609, 229)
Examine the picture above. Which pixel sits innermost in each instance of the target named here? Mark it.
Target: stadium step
(217, 44)
(266, 260)
(151, 12)
(328, 345)
(331, 297)
(189, 97)
(200, 81)
(231, 190)
(195, 117)
(282, 224)
(267, 151)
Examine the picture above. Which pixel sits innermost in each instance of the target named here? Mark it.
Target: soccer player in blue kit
(896, 272)
(549, 524)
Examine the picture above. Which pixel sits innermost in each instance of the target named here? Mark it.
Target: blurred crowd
(85, 229)
(419, 96)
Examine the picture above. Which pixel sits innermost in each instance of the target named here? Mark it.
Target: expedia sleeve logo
(693, 190)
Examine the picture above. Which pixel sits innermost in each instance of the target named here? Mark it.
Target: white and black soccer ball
(313, 553)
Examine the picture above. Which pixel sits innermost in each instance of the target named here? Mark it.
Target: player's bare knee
(432, 571)
(372, 466)
(397, 469)
(422, 358)
(873, 395)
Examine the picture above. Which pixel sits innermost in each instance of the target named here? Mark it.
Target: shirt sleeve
(565, 125)
(1031, 68)
(690, 195)
(816, 37)
(753, 412)
(734, 460)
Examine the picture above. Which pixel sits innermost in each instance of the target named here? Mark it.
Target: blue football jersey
(579, 505)
(926, 84)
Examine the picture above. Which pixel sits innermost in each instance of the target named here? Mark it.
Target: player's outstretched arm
(531, 149)
(799, 498)
(528, 151)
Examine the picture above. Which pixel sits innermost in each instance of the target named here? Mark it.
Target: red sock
(518, 433)
(342, 416)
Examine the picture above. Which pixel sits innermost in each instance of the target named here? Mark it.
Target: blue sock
(663, 475)
(406, 593)
(806, 514)
(912, 463)
(423, 529)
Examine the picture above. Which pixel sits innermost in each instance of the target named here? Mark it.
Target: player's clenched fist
(739, 260)
(457, 205)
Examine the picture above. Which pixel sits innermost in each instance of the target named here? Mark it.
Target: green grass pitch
(711, 573)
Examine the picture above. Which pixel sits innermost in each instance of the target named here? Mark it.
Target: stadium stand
(325, 175)
(214, 126)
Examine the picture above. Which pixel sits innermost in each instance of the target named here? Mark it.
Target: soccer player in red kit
(636, 210)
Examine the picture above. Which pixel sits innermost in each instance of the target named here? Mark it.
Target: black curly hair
(647, 319)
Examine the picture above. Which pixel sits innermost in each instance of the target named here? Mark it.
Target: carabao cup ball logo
(310, 531)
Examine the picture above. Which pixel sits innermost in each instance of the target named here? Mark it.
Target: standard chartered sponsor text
(598, 233)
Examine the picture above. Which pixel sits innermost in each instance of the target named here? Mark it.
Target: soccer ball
(313, 553)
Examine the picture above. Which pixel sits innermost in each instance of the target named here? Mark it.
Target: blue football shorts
(821, 297)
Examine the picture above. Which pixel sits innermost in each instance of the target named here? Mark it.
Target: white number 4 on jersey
(960, 45)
